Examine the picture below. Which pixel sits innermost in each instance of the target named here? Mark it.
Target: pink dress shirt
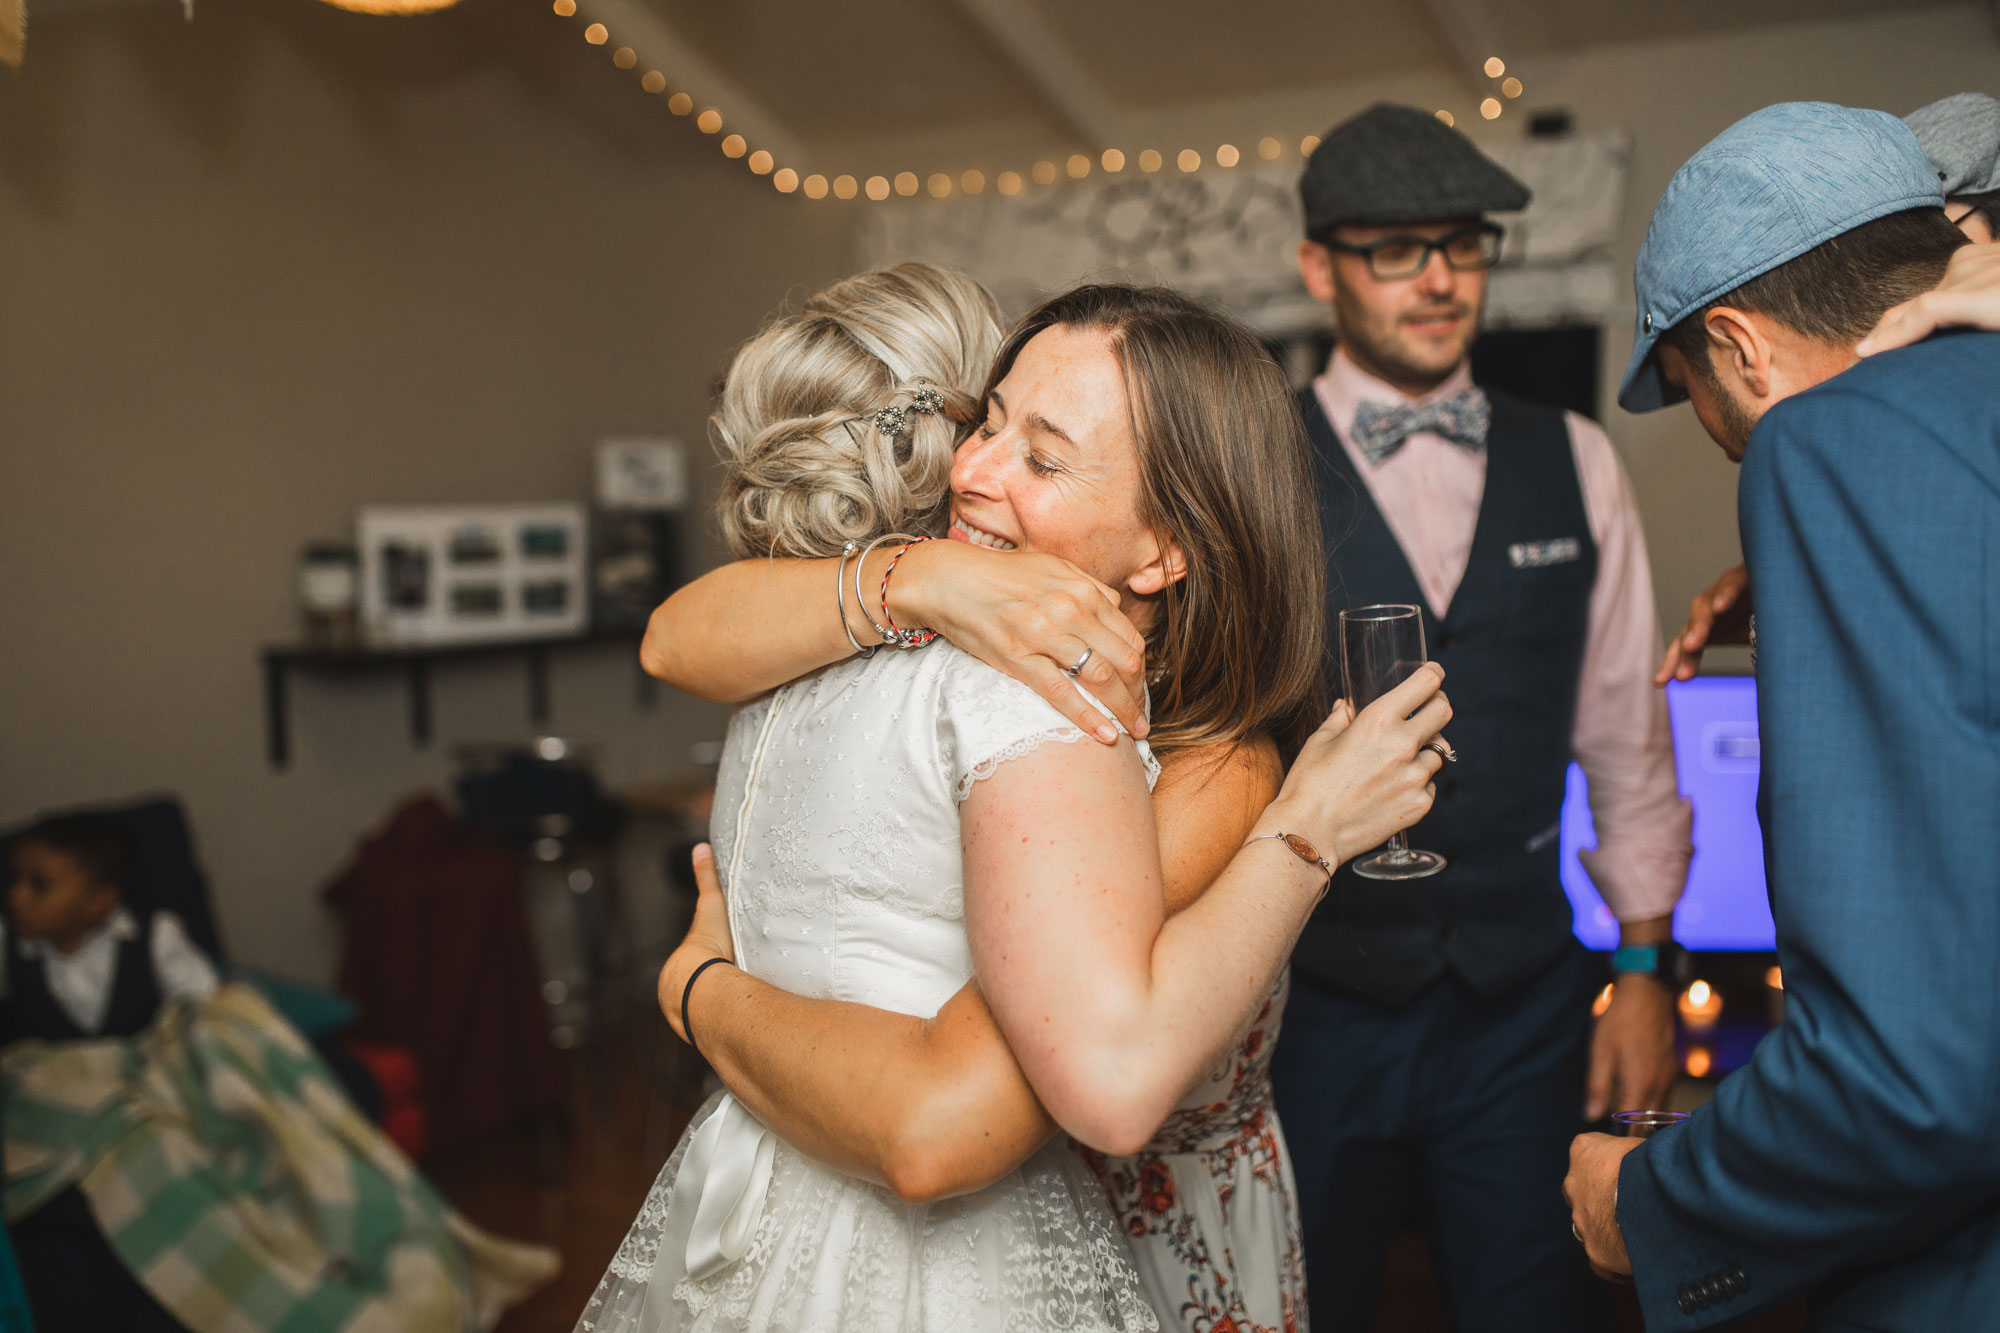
(1429, 493)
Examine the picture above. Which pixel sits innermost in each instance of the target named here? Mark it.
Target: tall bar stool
(544, 800)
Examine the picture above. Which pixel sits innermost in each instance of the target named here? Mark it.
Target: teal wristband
(1637, 958)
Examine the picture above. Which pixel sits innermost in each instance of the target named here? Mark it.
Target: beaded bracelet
(909, 638)
(894, 638)
(840, 600)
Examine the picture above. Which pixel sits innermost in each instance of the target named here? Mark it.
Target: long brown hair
(1223, 470)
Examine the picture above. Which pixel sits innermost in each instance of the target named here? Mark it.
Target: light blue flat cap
(1774, 185)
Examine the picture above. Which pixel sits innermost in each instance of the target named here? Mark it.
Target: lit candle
(1774, 995)
(1700, 1006)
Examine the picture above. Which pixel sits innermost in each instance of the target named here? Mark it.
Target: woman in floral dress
(1209, 1204)
(939, 1107)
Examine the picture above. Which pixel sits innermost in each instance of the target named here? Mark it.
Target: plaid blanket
(241, 1187)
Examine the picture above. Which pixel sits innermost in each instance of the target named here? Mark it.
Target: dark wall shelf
(281, 660)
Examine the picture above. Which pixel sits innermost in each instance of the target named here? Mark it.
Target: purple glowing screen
(1715, 751)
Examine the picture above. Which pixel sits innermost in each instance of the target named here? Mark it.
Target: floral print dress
(1210, 1207)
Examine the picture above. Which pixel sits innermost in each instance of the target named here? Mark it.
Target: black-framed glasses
(1394, 258)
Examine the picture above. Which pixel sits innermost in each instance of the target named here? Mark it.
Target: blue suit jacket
(1857, 1156)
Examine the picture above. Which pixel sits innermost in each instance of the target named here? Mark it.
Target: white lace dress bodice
(836, 833)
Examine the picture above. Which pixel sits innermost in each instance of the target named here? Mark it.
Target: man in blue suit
(1856, 1159)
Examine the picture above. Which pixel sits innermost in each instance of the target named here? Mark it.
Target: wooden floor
(578, 1189)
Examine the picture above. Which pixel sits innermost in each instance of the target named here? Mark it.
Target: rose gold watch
(1305, 851)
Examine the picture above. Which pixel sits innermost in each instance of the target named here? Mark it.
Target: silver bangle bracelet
(889, 636)
(840, 599)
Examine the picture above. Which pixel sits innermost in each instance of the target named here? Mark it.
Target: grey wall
(262, 269)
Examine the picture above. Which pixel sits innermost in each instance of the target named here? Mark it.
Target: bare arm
(928, 1107)
(1112, 1010)
(940, 1107)
(744, 629)
(748, 627)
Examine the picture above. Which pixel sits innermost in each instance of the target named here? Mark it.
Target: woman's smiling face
(1055, 466)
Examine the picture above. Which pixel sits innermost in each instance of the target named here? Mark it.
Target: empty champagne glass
(1380, 648)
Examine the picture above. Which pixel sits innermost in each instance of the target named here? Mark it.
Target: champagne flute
(1380, 648)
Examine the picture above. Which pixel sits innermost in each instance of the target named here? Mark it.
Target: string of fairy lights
(787, 179)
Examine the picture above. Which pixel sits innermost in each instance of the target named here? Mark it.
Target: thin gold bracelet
(1305, 851)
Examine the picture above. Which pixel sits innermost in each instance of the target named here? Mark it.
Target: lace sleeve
(987, 718)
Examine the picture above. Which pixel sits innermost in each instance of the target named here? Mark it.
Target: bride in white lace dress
(891, 823)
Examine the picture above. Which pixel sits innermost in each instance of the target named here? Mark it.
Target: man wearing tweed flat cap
(1438, 1043)
(1960, 135)
(1856, 1159)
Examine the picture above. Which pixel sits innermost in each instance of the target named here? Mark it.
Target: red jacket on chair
(439, 957)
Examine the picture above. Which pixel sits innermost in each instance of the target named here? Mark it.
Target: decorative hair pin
(894, 420)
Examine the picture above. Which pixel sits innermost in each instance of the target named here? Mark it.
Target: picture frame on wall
(637, 529)
(460, 574)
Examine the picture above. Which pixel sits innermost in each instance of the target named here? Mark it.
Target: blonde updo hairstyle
(805, 466)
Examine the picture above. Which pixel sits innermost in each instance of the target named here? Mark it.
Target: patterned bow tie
(1381, 428)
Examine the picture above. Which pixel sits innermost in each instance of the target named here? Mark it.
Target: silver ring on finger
(1081, 662)
(1578, 1234)
(1443, 749)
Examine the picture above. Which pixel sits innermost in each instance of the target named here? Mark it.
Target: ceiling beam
(1042, 57)
(1471, 32)
(635, 24)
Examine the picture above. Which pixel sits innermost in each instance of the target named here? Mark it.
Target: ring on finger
(1072, 670)
(1443, 749)
(1574, 1232)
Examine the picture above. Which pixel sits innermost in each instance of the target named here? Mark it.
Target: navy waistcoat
(31, 1009)
(1512, 647)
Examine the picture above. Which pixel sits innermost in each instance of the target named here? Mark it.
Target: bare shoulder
(1206, 802)
(1233, 771)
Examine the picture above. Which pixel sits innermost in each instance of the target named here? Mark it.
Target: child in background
(82, 958)
(178, 1155)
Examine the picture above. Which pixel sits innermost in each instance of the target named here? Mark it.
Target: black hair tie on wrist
(687, 1031)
